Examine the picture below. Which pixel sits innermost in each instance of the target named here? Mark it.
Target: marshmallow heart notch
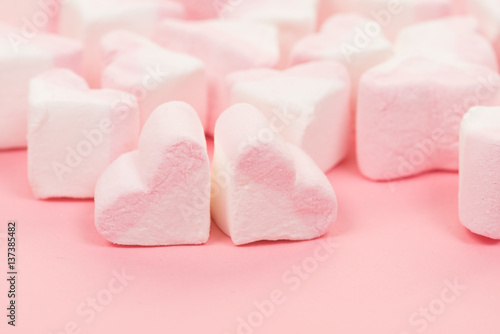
(264, 188)
(159, 194)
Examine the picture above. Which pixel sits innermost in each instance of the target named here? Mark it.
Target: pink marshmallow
(450, 38)
(224, 47)
(350, 39)
(409, 111)
(74, 133)
(264, 188)
(479, 195)
(160, 193)
(89, 20)
(21, 59)
(307, 104)
(153, 74)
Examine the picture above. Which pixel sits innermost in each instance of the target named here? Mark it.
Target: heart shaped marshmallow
(264, 188)
(308, 105)
(160, 193)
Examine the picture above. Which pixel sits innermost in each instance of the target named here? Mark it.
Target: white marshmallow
(224, 47)
(74, 133)
(307, 104)
(263, 188)
(409, 111)
(294, 19)
(487, 13)
(89, 20)
(393, 15)
(152, 74)
(479, 195)
(20, 60)
(347, 39)
(454, 38)
(159, 194)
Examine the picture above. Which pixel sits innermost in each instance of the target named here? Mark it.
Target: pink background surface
(397, 245)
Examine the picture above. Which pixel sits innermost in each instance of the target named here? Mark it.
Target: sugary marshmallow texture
(89, 20)
(294, 19)
(20, 60)
(479, 195)
(307, 104)
(487, 13)
(409, 112)
(350, 39)
(392, 15)
(455, 38)
(74, 133)
(224, 46)
(152, 74)
(160, 193)
(262, 187)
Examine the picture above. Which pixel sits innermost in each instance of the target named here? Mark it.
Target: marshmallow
(224, 47)
(488, 15)
(307, 104)
(409, 111)
(152, 74)
(455, 38)
(160, 193)
(393, 15)
(264, 188)
(348, 39)
(89, 20)
(21, 59)
(479, 194)
(74, 133)
(294, 19)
